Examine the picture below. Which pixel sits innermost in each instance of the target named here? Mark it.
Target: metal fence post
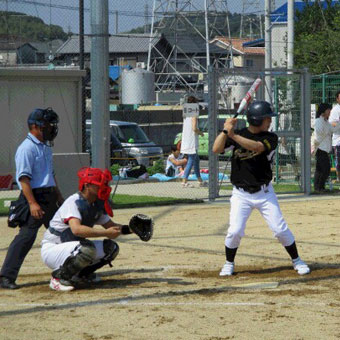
(212, 130)
(306, 131)
(323, 88)
(276, 108)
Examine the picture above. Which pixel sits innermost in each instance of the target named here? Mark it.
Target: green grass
(4, 210)
(128, 201)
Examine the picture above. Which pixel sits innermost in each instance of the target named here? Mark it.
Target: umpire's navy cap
(42, 116)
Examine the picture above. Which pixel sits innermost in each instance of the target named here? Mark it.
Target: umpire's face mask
(50, 131)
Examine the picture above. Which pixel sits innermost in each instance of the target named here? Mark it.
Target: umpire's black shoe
(7, 283)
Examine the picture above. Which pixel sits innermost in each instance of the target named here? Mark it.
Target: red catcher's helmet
(98, 177)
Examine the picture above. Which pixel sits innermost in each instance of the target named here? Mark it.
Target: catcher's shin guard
(75, 263)
(111, 250)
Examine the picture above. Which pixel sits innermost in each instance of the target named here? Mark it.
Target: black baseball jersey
(248, 169)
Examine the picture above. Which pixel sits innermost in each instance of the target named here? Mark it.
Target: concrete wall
(66, 166)
(8, 57)
(24, 89)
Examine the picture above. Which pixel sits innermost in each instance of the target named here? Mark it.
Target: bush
(158, 167)
(115, 169)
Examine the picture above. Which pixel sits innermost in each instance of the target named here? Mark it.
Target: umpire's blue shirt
(33, 159)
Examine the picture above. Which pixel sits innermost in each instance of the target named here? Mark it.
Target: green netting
(324, 88)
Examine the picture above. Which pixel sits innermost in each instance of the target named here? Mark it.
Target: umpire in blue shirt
(39, 194)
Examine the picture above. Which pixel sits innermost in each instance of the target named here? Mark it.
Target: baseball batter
(251, 175)
(65, 247)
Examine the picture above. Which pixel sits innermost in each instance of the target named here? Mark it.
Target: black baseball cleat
(7, 283)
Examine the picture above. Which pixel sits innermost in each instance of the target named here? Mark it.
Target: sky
(130, 12)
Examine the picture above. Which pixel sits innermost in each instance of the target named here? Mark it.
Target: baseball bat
(249, 95)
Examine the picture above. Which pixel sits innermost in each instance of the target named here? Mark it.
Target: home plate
(257, 285)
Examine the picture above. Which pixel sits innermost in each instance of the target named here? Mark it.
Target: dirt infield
(169, 288)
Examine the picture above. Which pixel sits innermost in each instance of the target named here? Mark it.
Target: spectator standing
(323, 131)
(189, 146)
(334, 118)
(39, 192)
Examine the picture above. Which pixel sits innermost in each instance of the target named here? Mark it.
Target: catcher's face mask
(98, 177)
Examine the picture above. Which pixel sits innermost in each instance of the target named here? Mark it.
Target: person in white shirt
(334, 118)
(175, 163)
(323, 131)
(189, 146)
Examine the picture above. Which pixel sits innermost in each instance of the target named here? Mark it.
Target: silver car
(134, 143)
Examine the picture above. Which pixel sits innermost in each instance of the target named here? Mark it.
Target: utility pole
(100, 83)
(268, 51)
(290, 36)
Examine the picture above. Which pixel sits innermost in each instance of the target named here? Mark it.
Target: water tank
(138, 86)
(235, 88)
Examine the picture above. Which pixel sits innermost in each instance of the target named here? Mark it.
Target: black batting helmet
(257, 111)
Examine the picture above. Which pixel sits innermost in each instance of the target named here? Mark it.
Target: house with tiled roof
(16, 51)
(247, 53)
(123, 50)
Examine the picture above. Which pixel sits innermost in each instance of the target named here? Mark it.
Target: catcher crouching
(65, 246)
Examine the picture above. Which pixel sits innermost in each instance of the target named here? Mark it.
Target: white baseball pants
(242, 204)
(54, 255)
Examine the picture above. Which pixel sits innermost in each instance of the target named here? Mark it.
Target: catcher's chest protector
(89, 212)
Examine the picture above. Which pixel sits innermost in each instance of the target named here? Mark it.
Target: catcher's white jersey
(53, 251)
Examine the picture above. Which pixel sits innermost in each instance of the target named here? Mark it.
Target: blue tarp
(115, 71)
(163, 178)
(205, 177)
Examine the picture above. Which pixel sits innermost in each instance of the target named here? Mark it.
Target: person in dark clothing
(39, 193)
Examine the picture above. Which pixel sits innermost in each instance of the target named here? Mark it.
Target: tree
(28, 27)
(317, 37)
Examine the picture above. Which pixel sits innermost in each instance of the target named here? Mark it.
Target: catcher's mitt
(142, 225)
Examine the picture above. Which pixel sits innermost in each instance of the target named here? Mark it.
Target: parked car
(203, 141)
(129, 144)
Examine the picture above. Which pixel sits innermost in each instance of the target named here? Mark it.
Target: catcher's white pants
(242, 203)
(54, 255)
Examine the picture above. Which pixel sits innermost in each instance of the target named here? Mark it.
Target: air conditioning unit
(140, 64)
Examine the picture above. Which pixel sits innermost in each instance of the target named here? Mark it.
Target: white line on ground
(205, 304)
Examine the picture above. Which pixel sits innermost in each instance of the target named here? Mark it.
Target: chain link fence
(290, 98)
(55, 36)
(324, 87)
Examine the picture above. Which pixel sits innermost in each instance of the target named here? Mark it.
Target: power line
(76, 8)
(73, 8)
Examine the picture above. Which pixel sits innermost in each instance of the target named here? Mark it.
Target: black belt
(44, 190)
(54, 232)
(253, 190)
